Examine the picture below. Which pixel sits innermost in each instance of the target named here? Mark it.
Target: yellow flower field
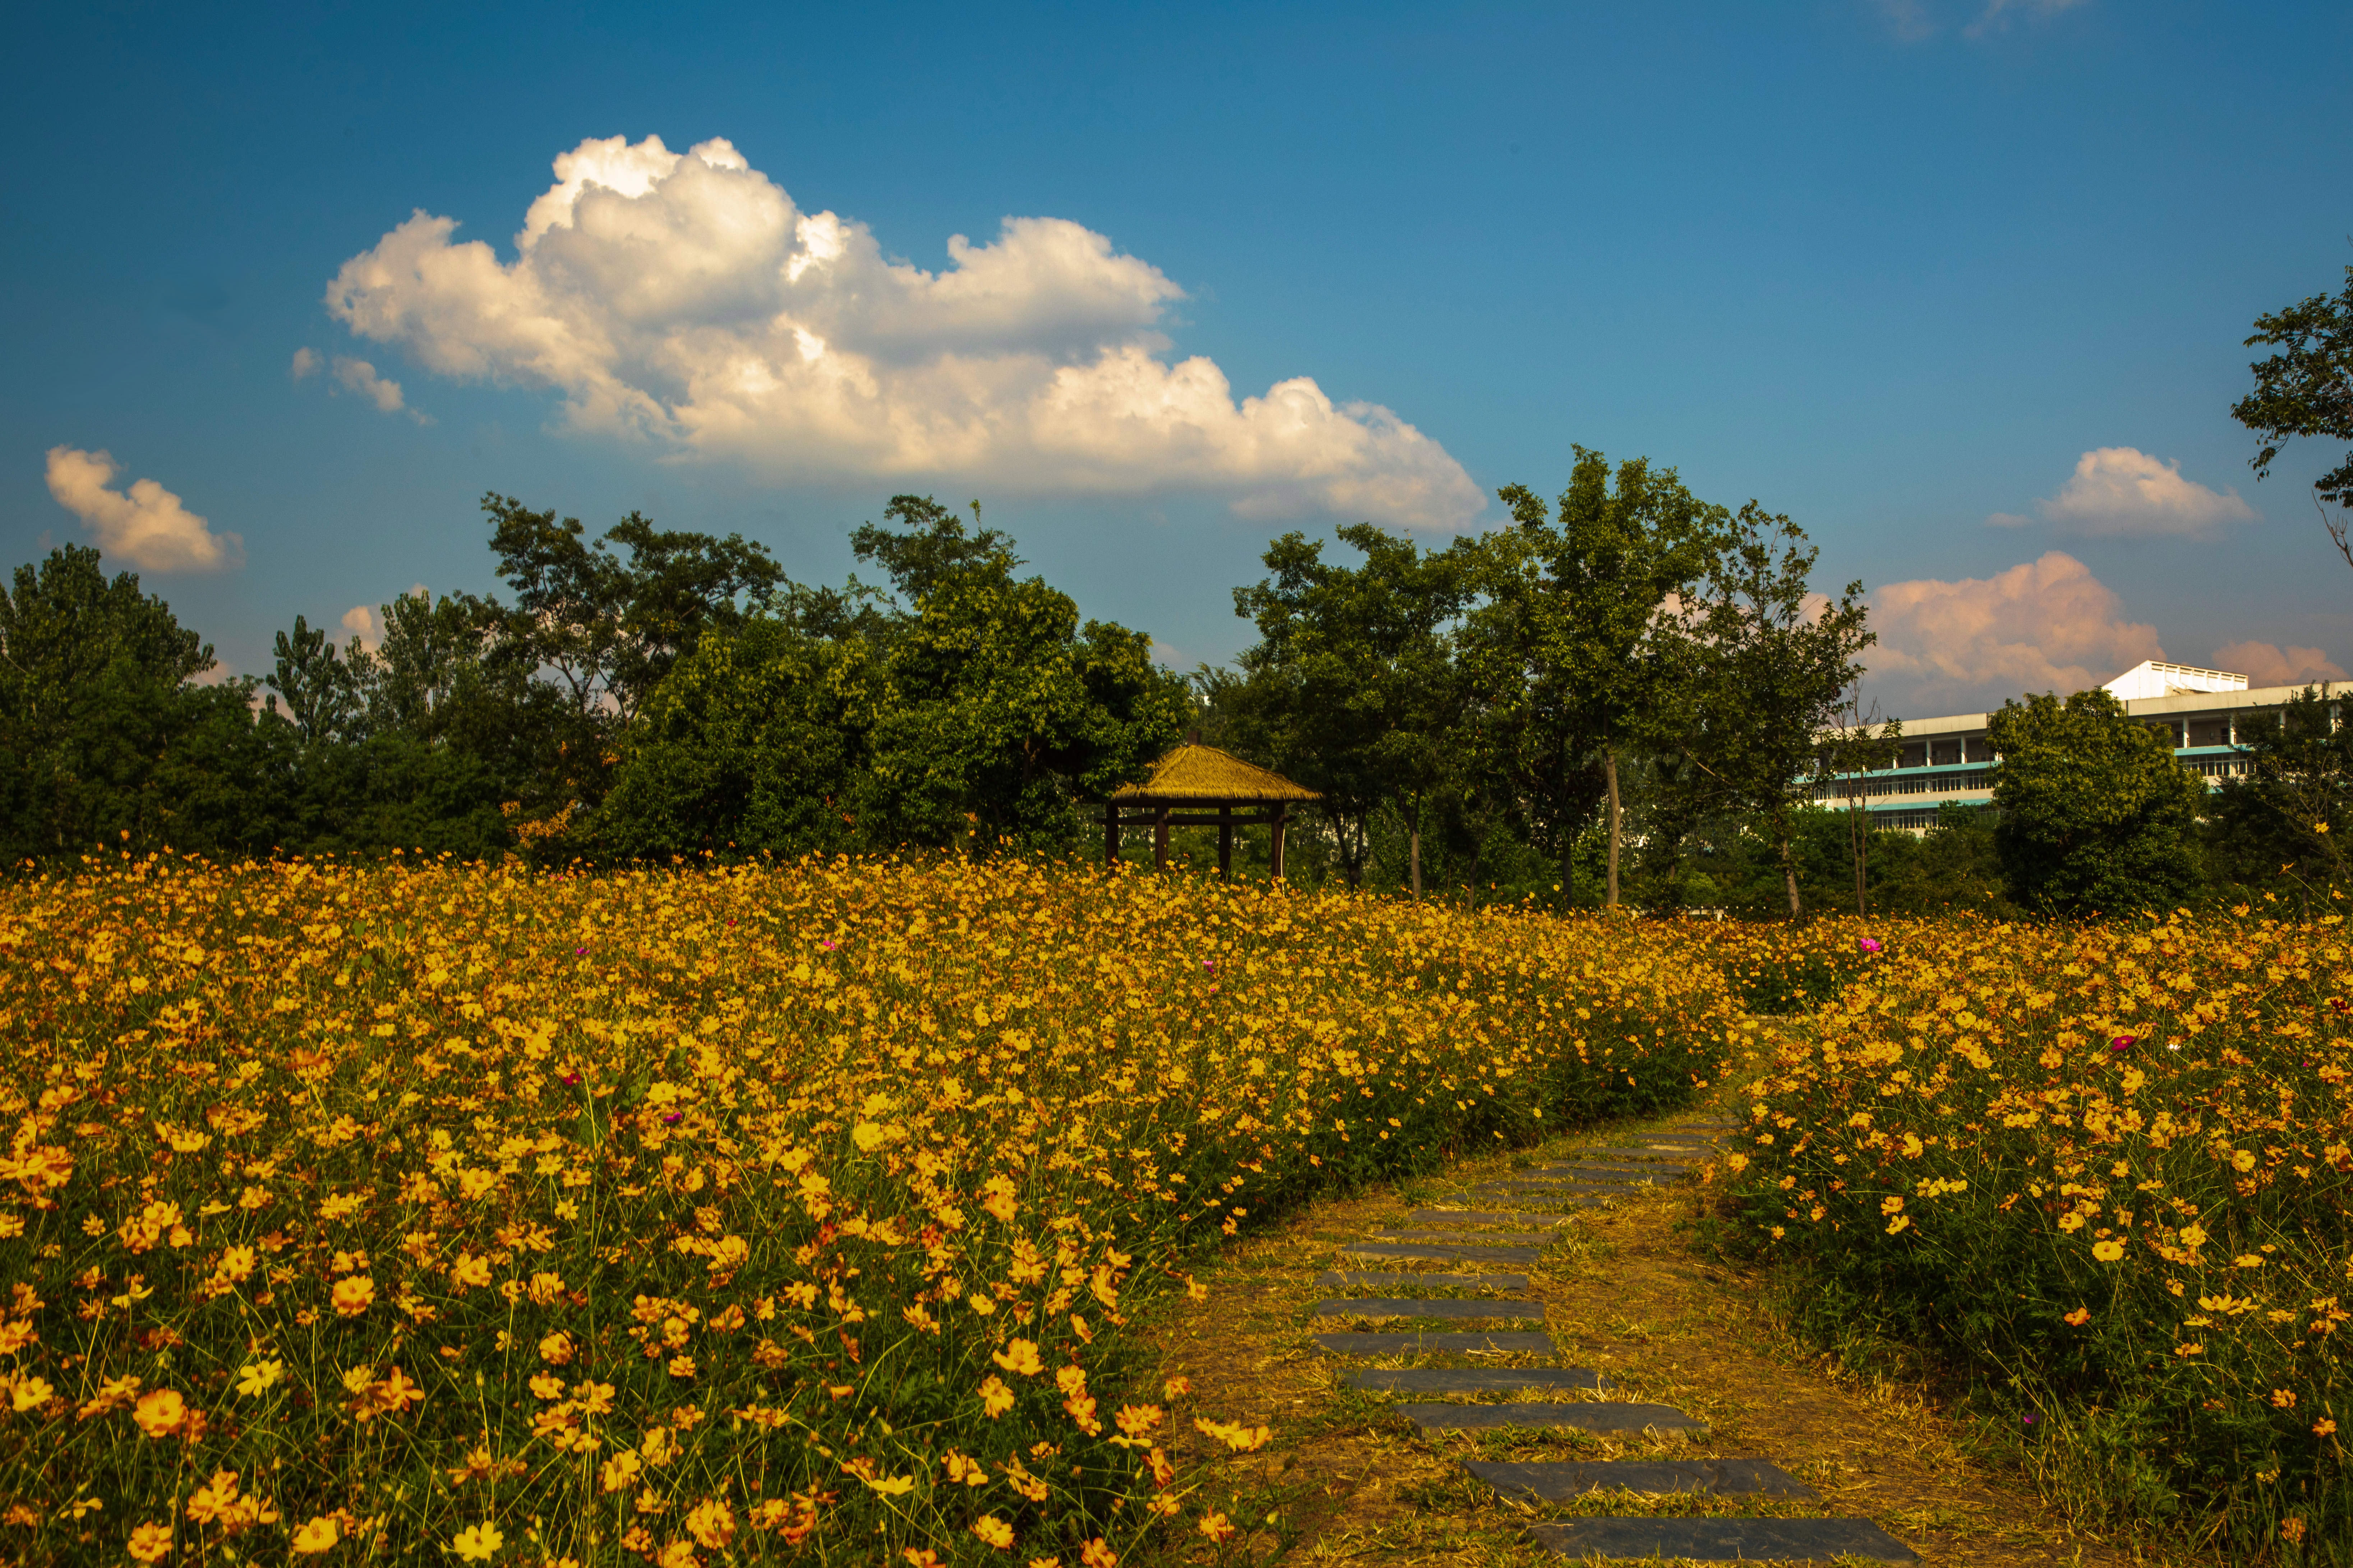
(2106, 1172)
(692, 1215)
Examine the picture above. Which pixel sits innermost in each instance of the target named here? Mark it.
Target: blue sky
(1894, 268)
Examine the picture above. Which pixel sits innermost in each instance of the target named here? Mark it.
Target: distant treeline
(1627, 694)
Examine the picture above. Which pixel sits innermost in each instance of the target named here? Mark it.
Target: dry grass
(1626, 1294)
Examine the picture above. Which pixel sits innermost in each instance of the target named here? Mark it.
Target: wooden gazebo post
(1200, 786)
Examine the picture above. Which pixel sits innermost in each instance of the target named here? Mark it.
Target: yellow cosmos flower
(478, 1542)
(319, 1534)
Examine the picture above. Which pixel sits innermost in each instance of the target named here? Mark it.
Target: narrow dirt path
(1652, 1409)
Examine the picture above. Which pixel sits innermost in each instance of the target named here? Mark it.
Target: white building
(1943, 759)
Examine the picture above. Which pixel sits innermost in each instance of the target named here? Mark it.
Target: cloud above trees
(146, 526)
(2120, 492)
(684, 300)
(2041, 625)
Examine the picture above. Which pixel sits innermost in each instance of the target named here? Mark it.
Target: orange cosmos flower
(159, 1413)
(1020, 1356)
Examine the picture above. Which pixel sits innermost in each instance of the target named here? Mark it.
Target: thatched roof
(1198, 773)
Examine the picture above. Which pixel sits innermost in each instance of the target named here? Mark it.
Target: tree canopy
(1564, 648)
(2096, 813)
(2306, 389)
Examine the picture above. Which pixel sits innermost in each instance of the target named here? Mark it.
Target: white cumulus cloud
(684, 300)
(2041, 625)
(2121, 492)
(363, 628)
(358, 375)
(147, 526)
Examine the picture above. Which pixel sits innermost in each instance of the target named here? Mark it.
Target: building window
(2209, 732)
(1981, 750)
(1914, 755)
(1945, 753)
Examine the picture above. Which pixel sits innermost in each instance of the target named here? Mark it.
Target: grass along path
(1622, 1294)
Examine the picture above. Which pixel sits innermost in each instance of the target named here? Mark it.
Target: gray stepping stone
(1394, 1307)
(1553, 1195)
(1614, 1174)
(1724, 1539)
(1538, 1181)
(1472, 1217)
(1543, 1186)
(1352, 1280)
(1473, 1379)
(1535, 1238)
(1659, 1156)
(1434, 1343)
(1561, 1481)
(1416, 1252)
(1587, 1415)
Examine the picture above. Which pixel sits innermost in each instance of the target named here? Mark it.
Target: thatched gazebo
(1200, 786)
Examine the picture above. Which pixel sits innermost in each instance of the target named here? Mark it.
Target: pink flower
(1868, 944)
(673, 1119)
(570, 1080)
(2124, 1042)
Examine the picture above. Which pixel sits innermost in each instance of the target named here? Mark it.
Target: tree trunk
(1609, 773)
(1861, 866)
(1858, 833)
(1413, 841)
(1788, 862)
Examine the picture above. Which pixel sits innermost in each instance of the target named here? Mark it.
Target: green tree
(1852, 749)
(610, 629)
(105, 738)
(91, 672)
(2290, 812)
(2095, 813)
(1757, 665)
(433, 657)
(1561, 649)
(1352, 688)
(982, 708)
(2306, 389)
(320, 687)
(929, 548)
(754, 739)
(997, 711)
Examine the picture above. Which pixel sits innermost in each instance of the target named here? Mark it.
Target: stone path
(1510, 1221)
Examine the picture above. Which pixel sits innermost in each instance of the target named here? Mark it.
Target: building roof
(2154, 678)
(1199, 773)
